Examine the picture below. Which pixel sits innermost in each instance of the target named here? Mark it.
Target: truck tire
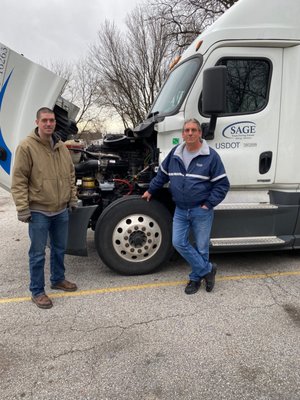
(133, 236)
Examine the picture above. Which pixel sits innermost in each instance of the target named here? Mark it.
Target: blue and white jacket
(204, 182)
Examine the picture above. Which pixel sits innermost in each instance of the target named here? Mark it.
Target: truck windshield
(176, 87)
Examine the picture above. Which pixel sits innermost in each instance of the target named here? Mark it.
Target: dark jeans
(39, 228)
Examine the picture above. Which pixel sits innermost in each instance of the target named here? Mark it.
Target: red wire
(130, 186)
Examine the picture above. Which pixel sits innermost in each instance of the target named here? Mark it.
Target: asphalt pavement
(141, 337)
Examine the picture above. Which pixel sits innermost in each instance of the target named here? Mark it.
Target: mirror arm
(208, 130)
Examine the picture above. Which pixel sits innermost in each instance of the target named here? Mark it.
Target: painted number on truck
(5, 161)
(3, 56)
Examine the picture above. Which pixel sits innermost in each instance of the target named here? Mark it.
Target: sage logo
(240, 130)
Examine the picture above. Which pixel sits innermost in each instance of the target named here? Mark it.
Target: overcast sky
(48, 30)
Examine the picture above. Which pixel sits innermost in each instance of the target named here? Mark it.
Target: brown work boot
(65, 285)
(42, 301)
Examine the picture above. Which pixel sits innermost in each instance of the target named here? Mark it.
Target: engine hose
(87, 166)
(126, 182)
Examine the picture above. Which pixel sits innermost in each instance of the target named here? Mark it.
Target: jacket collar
(56, 140)
(203, 151)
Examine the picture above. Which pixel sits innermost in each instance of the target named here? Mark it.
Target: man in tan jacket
(43, 189)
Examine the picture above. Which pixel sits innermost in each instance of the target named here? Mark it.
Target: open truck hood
(24, 88)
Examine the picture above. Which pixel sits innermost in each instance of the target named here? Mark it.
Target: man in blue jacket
(198, 182)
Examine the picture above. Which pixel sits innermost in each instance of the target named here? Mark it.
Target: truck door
(246, 135)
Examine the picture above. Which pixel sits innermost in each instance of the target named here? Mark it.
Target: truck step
(246, 206)
(247, 241)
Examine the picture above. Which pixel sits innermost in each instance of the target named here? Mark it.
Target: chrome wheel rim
(137, 237)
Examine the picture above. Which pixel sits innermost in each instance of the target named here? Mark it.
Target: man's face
(46, 124)
(191, 134)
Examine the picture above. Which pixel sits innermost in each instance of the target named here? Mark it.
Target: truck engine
(121, 165)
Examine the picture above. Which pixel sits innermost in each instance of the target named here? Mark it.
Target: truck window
(247, 85)
(176, 87)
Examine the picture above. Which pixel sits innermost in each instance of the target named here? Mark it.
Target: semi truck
(240, 78)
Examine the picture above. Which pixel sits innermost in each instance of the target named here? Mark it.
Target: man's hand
(24, 215)
(73, 205)
(147, 195)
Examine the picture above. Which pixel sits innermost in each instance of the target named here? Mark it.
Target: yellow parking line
(150, 286)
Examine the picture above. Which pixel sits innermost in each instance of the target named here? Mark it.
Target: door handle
(265, 161)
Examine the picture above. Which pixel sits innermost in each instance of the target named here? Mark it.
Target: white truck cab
(257, 132)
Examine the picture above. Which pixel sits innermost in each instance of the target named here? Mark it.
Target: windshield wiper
(153, 114)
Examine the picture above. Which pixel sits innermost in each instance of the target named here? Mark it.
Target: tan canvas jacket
(43, 177)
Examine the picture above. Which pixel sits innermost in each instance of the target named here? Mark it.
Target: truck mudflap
(78, 224)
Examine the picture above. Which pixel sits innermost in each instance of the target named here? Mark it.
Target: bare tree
(131, 67)
(125, 70)
(82, 90)
(64, 70)
(186, 19)
(85, 94)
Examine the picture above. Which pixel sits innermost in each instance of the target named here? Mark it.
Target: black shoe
(210, 278)
(192, 287)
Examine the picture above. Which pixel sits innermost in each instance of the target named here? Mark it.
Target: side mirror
(214, 90)
(213, 96)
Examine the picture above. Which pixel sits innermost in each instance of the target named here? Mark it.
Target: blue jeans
(39, 228)
(198, 221)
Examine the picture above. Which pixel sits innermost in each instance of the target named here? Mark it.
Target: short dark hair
(194, 121)
(43, 110)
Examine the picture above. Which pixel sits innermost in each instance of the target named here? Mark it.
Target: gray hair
(194, 121)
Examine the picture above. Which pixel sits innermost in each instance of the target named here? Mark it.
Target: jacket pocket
(65, 189)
